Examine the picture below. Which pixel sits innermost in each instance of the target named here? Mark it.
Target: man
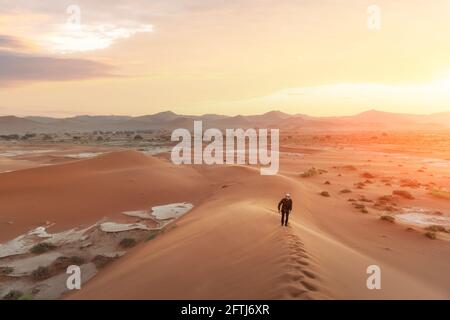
(285, 205)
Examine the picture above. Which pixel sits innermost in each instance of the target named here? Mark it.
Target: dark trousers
(284, 217)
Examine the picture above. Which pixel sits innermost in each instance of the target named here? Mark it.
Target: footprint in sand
(298, 278)
(295, 291)
(291, 277)
(309, 274)
(309, 286)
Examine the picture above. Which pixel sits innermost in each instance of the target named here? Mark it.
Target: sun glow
(441, 84)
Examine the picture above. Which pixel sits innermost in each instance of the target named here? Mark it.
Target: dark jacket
(285, 205)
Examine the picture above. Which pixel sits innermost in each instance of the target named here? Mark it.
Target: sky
(317, 57)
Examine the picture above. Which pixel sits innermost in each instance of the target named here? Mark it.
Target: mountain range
(366, 121)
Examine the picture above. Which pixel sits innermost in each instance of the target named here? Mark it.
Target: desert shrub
(364, 199)
(46, 137)
(127, 242)
(325, 194)
(367, 175)
(6, 270)
(430, 235)
(13, 295)
(309, 173)
(360, 185)
(101, 261)
(403, 194)
(387, 198)
(42, 247)
(387, 218)
(364, 211)
(440, 193)
(152, 235)
(345, 191)
(359, 206)
(64, 262)
(41, 273)
(436, 228)
(389, 208)
(411, 183)
(10, 137)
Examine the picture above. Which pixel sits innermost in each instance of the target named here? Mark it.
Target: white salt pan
(15, 153)
(119, 227)
(143, 214)
(171, 211)
(26, 266)
(422, 218)
(164, 212)
(24, 243)
(153, 151)
(84, 155)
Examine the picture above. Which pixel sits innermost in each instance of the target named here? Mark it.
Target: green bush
(152, 235)
(430, 235)
(436, 228)
(127, 242)
(41, 273)
(387, 218)
(63, 262)
(13, 295)
(309, 173)
(42, 247)
(6, 270)
(101, 261)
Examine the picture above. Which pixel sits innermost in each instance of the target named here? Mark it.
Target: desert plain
(359, 199)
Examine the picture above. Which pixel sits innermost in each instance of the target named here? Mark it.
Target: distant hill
(168, 120)
(12, 124)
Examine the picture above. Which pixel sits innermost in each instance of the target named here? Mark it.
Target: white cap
(287, 195)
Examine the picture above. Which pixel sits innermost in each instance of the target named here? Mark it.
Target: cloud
(19, 68)
(62, 27)
(82, 38)
(11, 43)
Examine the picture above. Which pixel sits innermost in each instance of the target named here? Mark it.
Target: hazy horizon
(218, 114)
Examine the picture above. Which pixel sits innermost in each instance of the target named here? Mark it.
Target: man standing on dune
(285, 205)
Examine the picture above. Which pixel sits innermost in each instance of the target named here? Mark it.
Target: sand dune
(230, 245)
(84, 191)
